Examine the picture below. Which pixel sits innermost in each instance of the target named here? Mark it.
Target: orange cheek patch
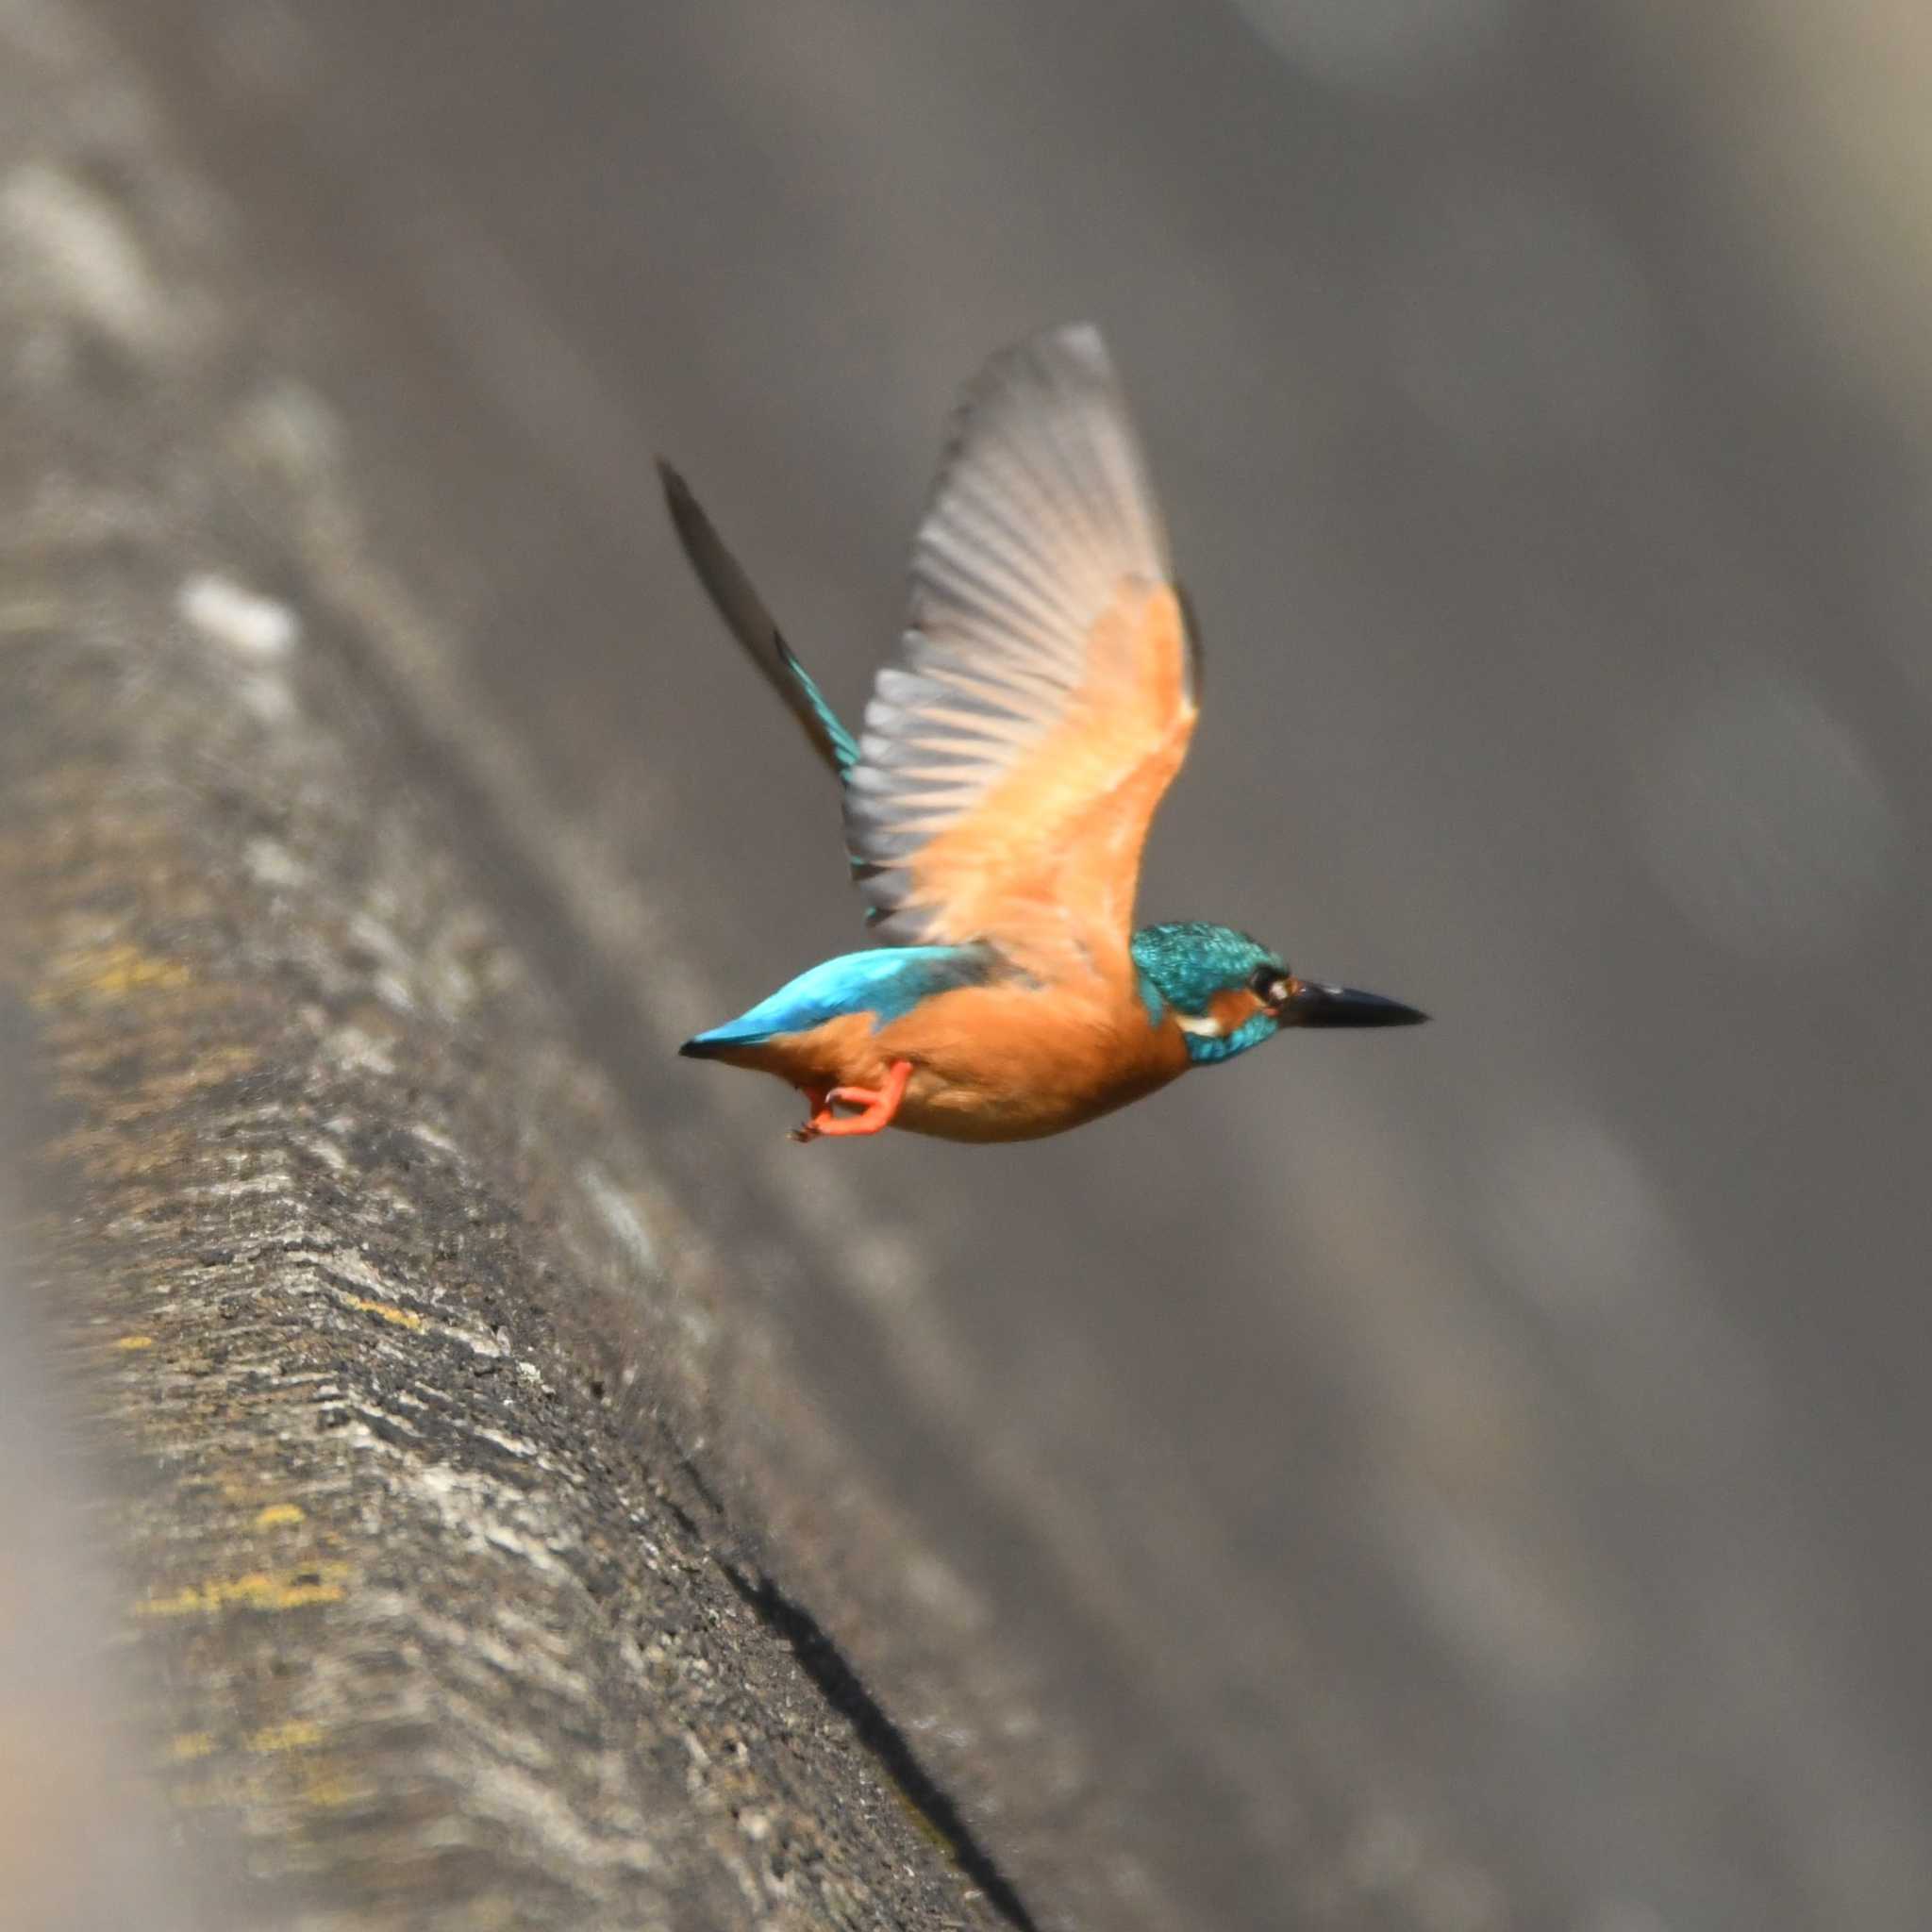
(1231, 1011)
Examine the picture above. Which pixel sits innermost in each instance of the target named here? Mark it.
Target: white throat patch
(1203, 1024)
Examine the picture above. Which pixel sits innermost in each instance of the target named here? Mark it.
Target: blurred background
(1464, 1479)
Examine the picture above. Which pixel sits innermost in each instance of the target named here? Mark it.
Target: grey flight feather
(1042, 511)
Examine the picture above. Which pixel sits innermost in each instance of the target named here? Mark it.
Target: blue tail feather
(888, 984)
(838, 744)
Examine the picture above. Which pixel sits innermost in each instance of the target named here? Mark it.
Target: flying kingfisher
(997, 799)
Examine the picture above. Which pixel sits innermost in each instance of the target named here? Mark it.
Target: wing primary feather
(1035, 612)
(736, 600)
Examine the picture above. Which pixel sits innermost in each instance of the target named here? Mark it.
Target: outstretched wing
(1043, 694)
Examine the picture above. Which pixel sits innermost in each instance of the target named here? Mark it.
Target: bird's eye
(1269, 982)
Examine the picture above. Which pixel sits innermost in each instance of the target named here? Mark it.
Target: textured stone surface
(347, 1262)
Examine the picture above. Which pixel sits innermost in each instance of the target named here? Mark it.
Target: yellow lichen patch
(277, 1515)
(185, 1746)
(319, 1782)
(330, 1789)
(297, 1735)
(111, 972)
(923, 1822)
(157, 1092)
(108, 1154)
(22, 617)
(131, 1343)
(259, 1589)
(402, 1318)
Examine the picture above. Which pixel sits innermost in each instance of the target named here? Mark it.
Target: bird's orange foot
(880, 1104)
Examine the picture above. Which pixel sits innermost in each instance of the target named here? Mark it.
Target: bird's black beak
(1309, 1005)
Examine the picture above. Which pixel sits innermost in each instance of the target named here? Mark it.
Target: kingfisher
(997, 798)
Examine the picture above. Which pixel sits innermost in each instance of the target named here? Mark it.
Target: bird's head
(1228, 992)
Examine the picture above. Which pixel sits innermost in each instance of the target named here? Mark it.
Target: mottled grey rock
(345, 1255)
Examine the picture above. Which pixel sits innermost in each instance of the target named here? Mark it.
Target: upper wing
(1043, 696)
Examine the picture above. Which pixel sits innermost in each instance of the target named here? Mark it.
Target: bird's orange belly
(989, 1063)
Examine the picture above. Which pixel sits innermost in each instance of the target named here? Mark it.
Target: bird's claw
(877, 1107)
(820, 1101)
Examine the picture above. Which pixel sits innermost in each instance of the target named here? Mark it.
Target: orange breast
(991, 1062)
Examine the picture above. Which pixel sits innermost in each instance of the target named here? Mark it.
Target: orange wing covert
(1013, 757)
(1050, 858)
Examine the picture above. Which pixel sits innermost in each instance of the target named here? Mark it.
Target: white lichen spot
(355, 1050)
(939, 1590)
(618, 1214)
(325, 1150)
(239, 619)
(394, 990)
(488, 1514)
(84, 255)
(289, 427)
(431, 1137)
(271, 863)
(247, 1188)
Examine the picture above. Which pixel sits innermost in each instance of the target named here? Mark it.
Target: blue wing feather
(887, 984)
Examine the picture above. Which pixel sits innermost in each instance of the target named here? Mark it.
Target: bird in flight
(998, 796)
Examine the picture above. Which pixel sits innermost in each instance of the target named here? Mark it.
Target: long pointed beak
(1310, 1004)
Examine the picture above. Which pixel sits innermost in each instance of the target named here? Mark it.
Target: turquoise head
(1227, 993)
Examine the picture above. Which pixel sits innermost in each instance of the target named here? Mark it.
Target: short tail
(752, 624)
